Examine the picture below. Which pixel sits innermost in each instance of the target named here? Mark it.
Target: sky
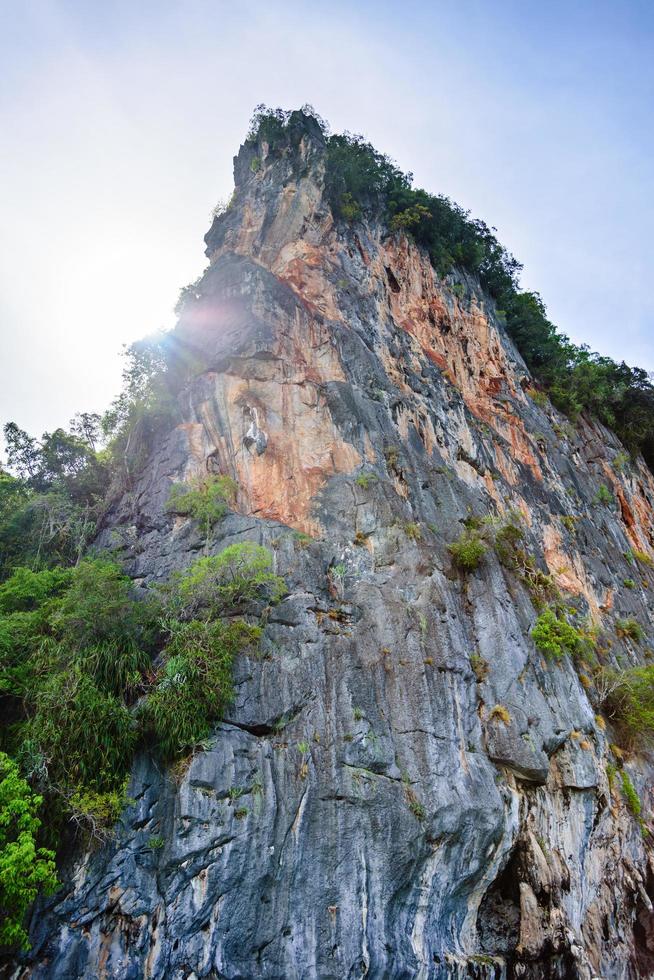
(119, 121)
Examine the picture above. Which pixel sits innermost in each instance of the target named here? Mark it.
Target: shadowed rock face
(390, 825)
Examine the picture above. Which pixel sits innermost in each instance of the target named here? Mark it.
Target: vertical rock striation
(390, 824)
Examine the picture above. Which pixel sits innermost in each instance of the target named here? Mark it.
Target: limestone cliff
(390, 823)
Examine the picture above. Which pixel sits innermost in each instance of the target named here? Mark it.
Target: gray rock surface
(362, 812)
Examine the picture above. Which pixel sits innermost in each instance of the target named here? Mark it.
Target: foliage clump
(25, 868)
(631, 629)
(500, 713)
(627, 699)
(603, 495)
(480, 667)
(631, 796)
(85, 735)
(205, 500)
(240, 574)
(49, 508)
(554, 636)
(365, 480)
(194, 684)
(413, 531)
(469, 550)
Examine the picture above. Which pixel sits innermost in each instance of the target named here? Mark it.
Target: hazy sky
(119, 121)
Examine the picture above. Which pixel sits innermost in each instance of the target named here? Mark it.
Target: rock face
(363, 811)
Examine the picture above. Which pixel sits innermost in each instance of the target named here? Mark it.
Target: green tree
(25, 868)
(147, 404)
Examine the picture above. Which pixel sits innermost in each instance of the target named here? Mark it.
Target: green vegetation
(639, 556)
(83, 734)
(361, 182)
(365, 480)
(627, 699)
(413, 531)
(48, 512)
(156, 368)
(539, 397)
(240, 574)
(98, 812)
(554, 636)
(417, 809)
(337, 575)
(631, 629)
(603, 495)
(468, 550)
(50, 506)
(631, 796)
(25, 868)
(505, 536)
(205, 501)
(194, 683)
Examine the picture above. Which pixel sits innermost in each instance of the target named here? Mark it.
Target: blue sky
(119, 122)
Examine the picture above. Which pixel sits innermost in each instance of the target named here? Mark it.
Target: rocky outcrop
(363, 811)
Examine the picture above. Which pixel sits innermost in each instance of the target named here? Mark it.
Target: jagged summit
(426, 782)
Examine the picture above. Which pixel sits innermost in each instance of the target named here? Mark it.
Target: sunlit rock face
(390, 824)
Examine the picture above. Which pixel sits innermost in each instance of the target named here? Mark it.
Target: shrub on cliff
(631, 629)
(240, 574)
(205, 500)
(194, 683)
(627, 698)
(85, 735)
(468, 550)
(554, 636)
(25, 868)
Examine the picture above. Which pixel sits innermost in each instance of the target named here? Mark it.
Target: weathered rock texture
(389, 826)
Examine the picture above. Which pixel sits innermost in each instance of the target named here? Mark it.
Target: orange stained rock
(505, 466)
(462, 343)
(638, 519)
(304, 447)
(303, 267)
(568, 570)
